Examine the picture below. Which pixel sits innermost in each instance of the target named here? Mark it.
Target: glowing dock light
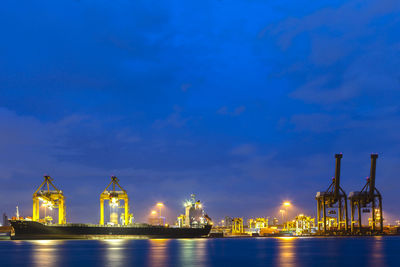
(114, 202)
(160, 205)
(287, 204)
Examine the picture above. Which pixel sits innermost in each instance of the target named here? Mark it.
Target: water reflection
(192, 252)
(45, 252)
(286, 251)
(377, 253)
(115, 254)
(158, 252)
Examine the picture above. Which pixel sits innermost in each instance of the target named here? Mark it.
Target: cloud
(320, 123)
(316, 91)
(175, 119)
(343, 56)
(235, 112)
(243, 150)
(185, 87)
(87, 91)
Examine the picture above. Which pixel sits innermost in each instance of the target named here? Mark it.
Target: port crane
(237, 226)
(367, 199)
(334, 199)
(50, 199)
(114, 197)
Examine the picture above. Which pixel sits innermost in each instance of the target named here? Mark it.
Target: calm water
(365, 251)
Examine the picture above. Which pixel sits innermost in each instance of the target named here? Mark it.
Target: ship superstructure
(195, 215)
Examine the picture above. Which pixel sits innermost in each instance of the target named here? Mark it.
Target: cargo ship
(194, 223)
(30, 230)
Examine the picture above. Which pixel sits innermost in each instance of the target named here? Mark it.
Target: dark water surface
(361, 251)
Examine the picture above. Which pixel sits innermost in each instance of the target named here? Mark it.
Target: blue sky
(244, 103)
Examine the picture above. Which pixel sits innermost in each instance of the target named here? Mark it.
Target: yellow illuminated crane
(237, 226)
(50, 199)
(114, 197)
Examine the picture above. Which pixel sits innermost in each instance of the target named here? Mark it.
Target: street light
(153, 212)
(286, 205)
(282, 212)
(160, 205)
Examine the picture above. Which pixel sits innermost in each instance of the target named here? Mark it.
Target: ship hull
(29, 230)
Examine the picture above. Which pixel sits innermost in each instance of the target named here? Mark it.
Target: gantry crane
(50, 199)
(333, 198)
(237, 226)
(368, 198)
(114, 197)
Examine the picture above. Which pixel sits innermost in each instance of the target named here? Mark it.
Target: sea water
(285, 251)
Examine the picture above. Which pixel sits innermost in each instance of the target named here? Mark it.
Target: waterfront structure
(237, 226)
(258, 223)
(368, 200)
(49, 199)
(228, 222)
(195, 215)
(301, 225)
(114, 197)
(332, 203)
(5, 220)
(44, 229)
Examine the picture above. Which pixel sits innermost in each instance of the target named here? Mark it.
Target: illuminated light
(287, 204)
(46, 242)
(153, 212)
(114, 202)
(159, 204)
(286, 238)
(200, 206)
(113, 243)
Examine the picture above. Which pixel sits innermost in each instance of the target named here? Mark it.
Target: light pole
(160, 205)
(285, 205)
(282, 212)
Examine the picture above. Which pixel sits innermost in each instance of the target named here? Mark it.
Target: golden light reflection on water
(377, 253)
(44, 252)
(158, 252)
(286, 251)
(192, 252)
(115, 254)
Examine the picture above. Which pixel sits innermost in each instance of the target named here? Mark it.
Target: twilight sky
(243, 102)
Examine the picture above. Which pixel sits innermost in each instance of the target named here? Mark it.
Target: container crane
(334, 198)
(114, 198)
(369, 197)
(50, 199)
